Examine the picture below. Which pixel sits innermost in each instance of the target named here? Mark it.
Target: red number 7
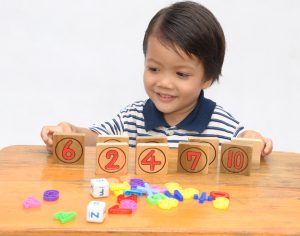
(196, 156)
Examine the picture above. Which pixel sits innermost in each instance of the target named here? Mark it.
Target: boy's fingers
(44, 134)
(49, 148)
(268, 146)
(47, 132)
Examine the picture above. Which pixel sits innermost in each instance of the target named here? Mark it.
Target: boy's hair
(195, 30)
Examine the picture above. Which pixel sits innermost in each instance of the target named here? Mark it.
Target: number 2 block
(193, 157)
(151, 158)
(112, 139)
(236, 159)
(112, 158)
(68, 148)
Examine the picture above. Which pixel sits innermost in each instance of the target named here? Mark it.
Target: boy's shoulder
(136, 106)
(221, 114)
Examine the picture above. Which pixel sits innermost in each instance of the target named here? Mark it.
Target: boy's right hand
(47, 133)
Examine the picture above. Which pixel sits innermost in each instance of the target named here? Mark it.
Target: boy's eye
(153, 69)
(181, 74)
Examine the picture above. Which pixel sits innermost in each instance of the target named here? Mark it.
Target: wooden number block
(68, 148)
(112, 139)
(214, 148)
(257, 146)
(151, 139)
(193, 157)
(151, 158)
(236, 158)
(112, 158)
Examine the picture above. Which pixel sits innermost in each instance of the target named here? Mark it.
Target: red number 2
(149, 159)
(114, 155)
(67, 152)
(196, 156)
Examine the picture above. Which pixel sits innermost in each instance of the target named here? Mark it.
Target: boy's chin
(165, 109)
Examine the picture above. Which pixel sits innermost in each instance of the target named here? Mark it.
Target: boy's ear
(207, 83)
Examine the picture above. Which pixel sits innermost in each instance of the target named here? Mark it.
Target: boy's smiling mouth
(165, 97)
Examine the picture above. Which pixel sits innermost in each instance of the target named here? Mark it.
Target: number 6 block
(68, 148)
(112, 158)
(151, 158)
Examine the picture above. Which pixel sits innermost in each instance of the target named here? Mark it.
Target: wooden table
(267, 202)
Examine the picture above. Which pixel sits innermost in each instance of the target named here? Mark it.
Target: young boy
(184, 49)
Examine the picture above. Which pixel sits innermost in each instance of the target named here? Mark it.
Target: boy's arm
(268, 144)
(65, 127)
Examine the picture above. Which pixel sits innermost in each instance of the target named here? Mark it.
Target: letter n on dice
(96, 211)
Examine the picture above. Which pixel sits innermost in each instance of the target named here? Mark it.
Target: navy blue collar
(197, 120)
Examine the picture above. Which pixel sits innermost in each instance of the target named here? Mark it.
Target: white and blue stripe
(131, 122)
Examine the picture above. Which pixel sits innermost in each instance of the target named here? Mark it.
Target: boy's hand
(47, 133)
(268, 144)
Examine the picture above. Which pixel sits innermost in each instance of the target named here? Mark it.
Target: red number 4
(149, 159)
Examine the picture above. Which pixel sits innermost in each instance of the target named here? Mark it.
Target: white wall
(82, 61)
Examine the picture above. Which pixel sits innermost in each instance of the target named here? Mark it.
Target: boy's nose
(165, 81)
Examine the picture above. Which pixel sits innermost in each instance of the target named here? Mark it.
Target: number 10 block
(236, 159)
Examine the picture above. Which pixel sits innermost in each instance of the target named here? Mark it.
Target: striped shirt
(142, 118)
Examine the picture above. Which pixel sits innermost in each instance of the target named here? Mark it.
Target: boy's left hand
(268, 144)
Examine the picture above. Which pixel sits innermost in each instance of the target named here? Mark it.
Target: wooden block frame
(112, 139)
(112, 158)
(236, 159)
(193, 157)
(151, 139)
(214, 148)
(151, 158)
(69, 148)
(257, 145)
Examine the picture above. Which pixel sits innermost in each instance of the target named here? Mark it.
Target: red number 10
(237, 160)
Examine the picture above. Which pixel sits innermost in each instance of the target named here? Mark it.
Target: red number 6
(67, 152)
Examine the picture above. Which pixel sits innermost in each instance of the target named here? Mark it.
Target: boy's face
(172, 81)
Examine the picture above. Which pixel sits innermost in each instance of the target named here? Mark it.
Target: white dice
(99, 187)
(96, 211)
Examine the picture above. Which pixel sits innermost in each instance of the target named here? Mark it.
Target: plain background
(82, 61)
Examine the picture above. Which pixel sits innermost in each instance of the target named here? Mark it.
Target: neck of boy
(176, 117)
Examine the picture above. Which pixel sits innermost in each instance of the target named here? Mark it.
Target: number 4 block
(151, 158)
(112, 158)
(236, 159)
(68, 148)
(193, 157)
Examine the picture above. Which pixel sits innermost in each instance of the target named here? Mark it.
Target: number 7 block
(193, 157)
(68, 148)
(112, 158)
(151, 158)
